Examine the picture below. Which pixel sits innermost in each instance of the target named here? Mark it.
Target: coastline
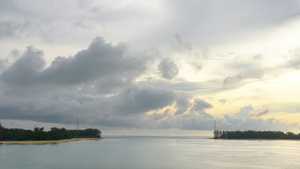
(48, 141)
(258, 139)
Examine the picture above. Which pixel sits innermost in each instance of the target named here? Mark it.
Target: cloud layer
(180, 64)
(101, 66)
(99, 85)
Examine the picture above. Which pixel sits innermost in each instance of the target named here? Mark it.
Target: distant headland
(38, 135)
(251, 134)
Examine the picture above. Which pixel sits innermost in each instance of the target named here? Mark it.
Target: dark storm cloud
(25, 71)
(168, 69)
(67, 87)
(42, 109)
(75, 86)
(101, 63)
(2, 64)
(137, 100)
(126, 109)
(100, 60)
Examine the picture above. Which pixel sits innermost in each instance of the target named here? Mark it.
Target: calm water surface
(132, 152)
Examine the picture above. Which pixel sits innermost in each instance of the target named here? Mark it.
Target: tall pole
(77, 123)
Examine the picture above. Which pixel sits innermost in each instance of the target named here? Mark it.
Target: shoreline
(267, 139)
(48, 141)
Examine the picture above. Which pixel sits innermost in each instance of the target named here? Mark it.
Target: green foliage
(251, 134)
(40, 134)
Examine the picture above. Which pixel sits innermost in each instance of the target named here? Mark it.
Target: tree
(55, 134)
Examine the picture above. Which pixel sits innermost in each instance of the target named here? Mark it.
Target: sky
(150, 67)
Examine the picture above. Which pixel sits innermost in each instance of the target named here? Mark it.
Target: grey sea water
(134, 152)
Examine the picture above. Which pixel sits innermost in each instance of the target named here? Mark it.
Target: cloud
(108, 85)
(137, 100)
(248, 70)
(244, 112)
(180, 45)
(9, 29)
(237, 78)
(97, 83)
(100, 60)
(168, 69)
(182, 104)
(203, 121)
(236, 19)
(200, 105)
(263, 113)
(199, 59)
(125, 109)
(223, 101)
(102, 64)
(43, 109)
(194, 57)
(128, 109)
(3, 63)
(244, 121)
(295, 61)
(234, 123)
(24, 72)
(238, 121)
(257, 57)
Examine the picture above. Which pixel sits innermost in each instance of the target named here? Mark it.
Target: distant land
(38, 134)
(251, 134)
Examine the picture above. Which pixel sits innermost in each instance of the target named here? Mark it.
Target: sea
(153, 152)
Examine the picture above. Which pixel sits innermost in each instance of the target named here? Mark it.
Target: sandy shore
(47, 141)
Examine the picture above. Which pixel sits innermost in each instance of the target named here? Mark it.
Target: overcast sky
(159, 65)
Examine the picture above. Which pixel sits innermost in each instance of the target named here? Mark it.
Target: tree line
(252, 134)
(40, 134)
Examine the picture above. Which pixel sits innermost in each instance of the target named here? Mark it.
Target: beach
(47, 141)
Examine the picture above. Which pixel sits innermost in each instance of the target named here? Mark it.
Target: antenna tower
(77, 123)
